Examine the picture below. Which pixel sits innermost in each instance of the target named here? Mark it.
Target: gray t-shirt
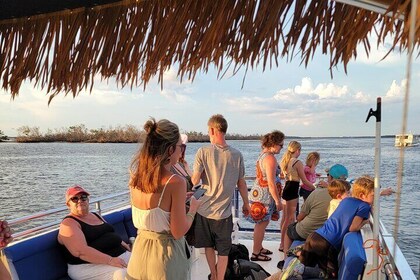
(220, 169)
(316, 210)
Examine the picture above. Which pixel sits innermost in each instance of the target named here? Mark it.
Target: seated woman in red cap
(92, 248)
(264, 195)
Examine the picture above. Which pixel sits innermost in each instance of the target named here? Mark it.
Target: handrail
(397, 261)
(25, 232)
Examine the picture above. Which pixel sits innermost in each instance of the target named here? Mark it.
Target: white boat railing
(45, 220)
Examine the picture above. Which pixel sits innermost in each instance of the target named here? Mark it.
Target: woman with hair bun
(264, 195)
(158, 204)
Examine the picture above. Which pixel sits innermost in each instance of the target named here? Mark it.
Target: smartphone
(197, 194)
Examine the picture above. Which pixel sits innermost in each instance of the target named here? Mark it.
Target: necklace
(220, 146)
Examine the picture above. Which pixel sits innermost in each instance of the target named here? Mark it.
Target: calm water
(34, 177)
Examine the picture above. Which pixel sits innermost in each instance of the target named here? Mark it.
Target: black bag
(237, 252)
(248, 270)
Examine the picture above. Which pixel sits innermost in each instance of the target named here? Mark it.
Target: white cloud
(304, 104)
(378, 55)
(396, 91)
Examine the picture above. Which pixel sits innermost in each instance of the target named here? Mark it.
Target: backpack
(241, 268)
(237, 252)
(248, 270)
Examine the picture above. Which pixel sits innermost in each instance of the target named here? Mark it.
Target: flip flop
(280, 264)
(260, 258)
(265, 251)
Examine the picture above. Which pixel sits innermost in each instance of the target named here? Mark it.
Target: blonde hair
(271, 139)
(148, 163)
(291, 148)
(337, 187)
(362, 186)
(218, 122)
(313, 156)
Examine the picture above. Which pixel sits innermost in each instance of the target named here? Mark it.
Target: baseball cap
(338, 171)
(73, 191)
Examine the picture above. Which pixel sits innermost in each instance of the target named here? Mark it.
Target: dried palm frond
(134, 41)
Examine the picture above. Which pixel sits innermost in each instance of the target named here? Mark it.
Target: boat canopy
(63, 45)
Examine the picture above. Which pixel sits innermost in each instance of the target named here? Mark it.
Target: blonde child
(323, 245)
(312, 161)
(338, 190)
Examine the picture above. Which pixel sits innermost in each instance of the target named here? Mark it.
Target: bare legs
(218, 269)
(289, 213)
(287, 243)
(283, 218)
(259, 232)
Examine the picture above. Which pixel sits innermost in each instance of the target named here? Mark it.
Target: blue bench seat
(351, 259)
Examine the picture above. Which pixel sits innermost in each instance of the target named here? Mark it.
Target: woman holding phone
(158, 204)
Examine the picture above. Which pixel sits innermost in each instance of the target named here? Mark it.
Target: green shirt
(316, 210)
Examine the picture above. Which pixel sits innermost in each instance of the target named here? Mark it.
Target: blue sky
(295, 100)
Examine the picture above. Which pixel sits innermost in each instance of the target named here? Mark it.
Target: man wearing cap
(314, 210)
(337, 171)
(91, 247)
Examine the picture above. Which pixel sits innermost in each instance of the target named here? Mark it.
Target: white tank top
(156, 219)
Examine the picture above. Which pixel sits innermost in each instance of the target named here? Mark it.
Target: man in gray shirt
(221, 168)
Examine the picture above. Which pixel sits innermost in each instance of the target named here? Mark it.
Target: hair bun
(150, 126)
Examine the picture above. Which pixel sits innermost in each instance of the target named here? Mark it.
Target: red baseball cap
(73, 191)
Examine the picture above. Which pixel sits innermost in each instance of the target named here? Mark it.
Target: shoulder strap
(98, 216)
(164, 188)
(296, 161)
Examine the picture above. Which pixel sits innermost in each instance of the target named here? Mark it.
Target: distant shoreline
(244, 138)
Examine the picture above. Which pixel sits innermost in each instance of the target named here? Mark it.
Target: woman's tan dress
(156, 255)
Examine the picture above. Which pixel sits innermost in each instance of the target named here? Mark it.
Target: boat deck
(200, 269)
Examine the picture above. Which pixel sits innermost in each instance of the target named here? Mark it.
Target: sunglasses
(83, 197)
(182, 147)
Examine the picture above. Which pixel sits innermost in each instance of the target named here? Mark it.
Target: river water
(34, 176)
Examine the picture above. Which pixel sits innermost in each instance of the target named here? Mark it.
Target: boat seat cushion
(37, 258)
(352, 257)
(40, 257)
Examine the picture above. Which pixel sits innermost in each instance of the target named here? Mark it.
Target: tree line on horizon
(81, 134)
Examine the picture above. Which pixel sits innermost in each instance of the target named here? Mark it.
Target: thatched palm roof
(62, 47)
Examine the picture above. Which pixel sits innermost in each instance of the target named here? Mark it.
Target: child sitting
(312, 161)
(338, 190)
(323, 245)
